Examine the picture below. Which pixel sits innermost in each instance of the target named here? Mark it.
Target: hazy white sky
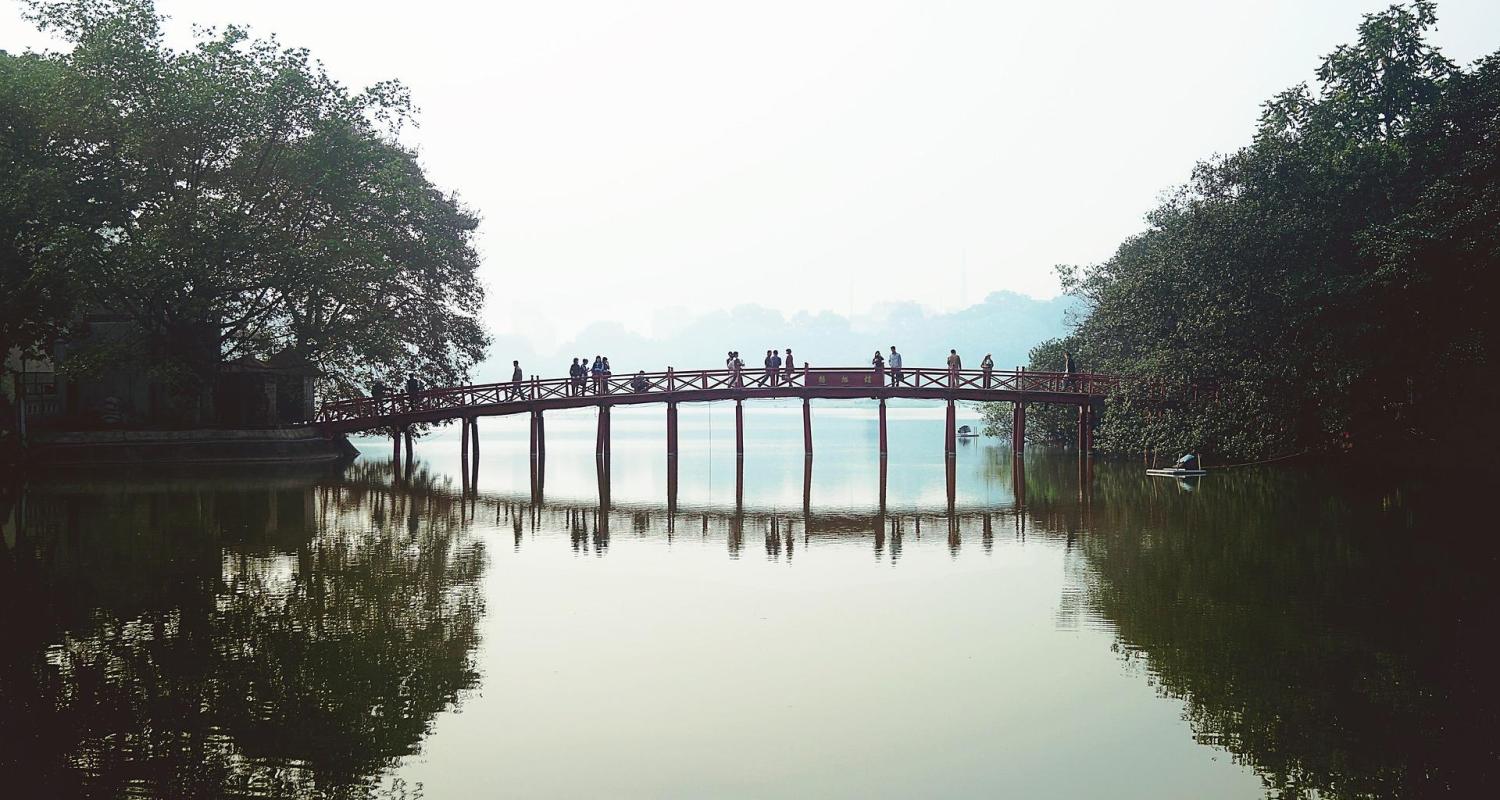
(630, 157)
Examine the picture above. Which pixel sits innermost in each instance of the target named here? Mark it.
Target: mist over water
(1059, 632)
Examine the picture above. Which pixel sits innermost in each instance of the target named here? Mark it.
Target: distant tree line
(1335, 280)
(230, 199)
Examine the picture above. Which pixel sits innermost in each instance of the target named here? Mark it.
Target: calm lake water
(1050, 632)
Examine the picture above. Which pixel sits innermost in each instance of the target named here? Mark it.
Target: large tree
(251, 205)
(1333, 278)
(37, 194)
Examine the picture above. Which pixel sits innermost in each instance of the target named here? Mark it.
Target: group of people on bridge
(587, 376)
(583, 375)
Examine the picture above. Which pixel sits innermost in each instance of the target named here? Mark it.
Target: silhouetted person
(413, 386)
(734, 365)
(954, 365)
(516, 377)
(988, 365)
(895, 363)
(775, 365)
(770, 373)
(575, 377)
(878, 362)
(788, 365)
(639, 382)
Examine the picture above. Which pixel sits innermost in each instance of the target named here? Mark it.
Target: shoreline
(186, 447)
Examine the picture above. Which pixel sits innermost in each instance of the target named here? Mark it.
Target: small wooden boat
(966, 432)
(1177, 473)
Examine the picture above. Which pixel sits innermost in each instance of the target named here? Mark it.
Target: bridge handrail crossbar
(683, 384)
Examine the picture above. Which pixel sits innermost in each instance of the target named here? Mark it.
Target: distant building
(104, 392)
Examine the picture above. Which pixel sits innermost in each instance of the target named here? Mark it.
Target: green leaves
(242, 202)
(1331, 277)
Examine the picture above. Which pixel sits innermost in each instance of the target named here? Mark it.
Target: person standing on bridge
(413, 387)
(1068, 368)
(516, 376)
(895, 363)
(601, 375)
(639, 382)
(988, 365)
(790, 367)
(878, 362)
(573, 373)
(770, 373)
(954, 365)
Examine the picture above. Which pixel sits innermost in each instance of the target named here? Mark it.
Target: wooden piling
(463, 448)
(474, 437)
(538, 436)
(739, 429)
(601, 445)
(882, 428)
(1018, 428)
(1083, 429)
(671, 430)
(807, 448)
(950, 435)
(806, 489)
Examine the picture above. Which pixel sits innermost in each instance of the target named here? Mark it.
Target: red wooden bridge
(397, 413)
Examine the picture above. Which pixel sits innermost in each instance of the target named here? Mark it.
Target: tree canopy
(231, 199)
(1333, 279)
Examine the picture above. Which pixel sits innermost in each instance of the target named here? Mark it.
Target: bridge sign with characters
(836, 379)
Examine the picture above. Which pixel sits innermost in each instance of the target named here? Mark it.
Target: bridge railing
(674, 381)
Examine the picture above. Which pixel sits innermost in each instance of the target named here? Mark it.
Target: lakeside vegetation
(1334, 280)
(226, 200)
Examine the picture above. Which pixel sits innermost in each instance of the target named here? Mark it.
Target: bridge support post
(538, 437)
(538, 480)
(463, 449)
(952, 484)
(671, 430)
(950, 434)
(1018, 428)
(474, 437)
(396, 449)
(1093, 417)
(807, 449)
(739, 487)
(671, 486)
(739, 429)
(410, 451)
(806, 491)
(601, 446)
(882, 440)
(1084, 426)
(602, 468)
(1018, 485)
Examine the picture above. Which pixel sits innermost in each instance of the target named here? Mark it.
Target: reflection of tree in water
(1315, 639)
(225, 638)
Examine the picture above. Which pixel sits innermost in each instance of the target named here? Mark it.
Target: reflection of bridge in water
(592, 524)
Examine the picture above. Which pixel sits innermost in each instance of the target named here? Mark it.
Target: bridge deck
(546, 394)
